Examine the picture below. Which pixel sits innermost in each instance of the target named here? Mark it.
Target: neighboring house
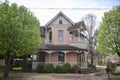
(63, 41)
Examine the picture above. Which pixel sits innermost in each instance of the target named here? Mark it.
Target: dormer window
(60, 21)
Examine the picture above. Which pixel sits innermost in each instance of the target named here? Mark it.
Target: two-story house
(62, 41)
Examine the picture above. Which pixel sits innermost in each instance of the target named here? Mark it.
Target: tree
(90, 21)
(19, 33)
(109, 32)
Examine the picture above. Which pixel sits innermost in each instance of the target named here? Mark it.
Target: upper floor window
(50, 36)
(60, 21)
(60, 36)
(71, 37)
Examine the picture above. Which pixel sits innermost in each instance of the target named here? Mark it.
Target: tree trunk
(11, 63)
(92, 56)
(118, 54)
(25, 64)
(7, 66)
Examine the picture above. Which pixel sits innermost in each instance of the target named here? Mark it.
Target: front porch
(74, 56)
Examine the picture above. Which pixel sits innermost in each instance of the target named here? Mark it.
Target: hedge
(66, 67)
(49, 68)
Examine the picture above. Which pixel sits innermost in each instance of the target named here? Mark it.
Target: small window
(60, 21)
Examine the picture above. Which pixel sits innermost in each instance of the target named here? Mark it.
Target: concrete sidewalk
(68, 77)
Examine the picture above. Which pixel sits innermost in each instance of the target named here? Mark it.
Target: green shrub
(74, 69)
(91, 66)
(49, 68)
(102, 70)
(116, 72)
(40, 68)
(66, 67)
(58, 69)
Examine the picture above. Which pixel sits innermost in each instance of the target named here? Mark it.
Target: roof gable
(60, 14)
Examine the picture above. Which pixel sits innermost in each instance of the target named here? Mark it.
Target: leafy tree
(19, 33)
(109, 32)
(90, 21)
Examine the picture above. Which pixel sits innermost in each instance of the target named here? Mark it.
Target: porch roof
(60, 47)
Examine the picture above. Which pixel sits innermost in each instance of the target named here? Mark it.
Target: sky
(45, 10)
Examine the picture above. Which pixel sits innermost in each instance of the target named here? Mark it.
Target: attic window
(60, 21)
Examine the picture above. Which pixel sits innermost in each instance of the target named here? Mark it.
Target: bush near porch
(50, 68)
(65, 68)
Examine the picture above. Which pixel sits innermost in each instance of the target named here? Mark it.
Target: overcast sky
(44, 10)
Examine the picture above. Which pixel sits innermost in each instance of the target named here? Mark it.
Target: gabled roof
(77, 25)
(60, 13)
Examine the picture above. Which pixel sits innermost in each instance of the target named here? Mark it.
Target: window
(60, 21)
(61, 57)
(71, 37)
(60, 36)
(50, 36)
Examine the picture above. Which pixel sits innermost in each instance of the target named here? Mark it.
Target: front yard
(19, 75)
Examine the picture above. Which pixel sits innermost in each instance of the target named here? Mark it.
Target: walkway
(67, 77)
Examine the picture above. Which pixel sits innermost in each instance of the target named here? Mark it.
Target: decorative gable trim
(60, 13)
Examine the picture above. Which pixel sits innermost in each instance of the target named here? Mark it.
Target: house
(62, 41)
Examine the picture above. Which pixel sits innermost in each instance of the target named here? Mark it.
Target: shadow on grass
(12, 79)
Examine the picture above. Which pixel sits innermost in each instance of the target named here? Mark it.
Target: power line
(71, 8)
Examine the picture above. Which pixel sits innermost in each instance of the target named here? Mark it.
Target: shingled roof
(78, 25)
(59, 47)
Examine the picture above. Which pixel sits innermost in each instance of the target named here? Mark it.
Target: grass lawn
(102, 70)
(17, 74)
(117, 72)
(15, 71)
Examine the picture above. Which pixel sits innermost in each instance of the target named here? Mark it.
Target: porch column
(79, 59)
(85, 59)
(65, 57)
(82, 59)
(49, 57)
(79, 35)
(65, 52)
